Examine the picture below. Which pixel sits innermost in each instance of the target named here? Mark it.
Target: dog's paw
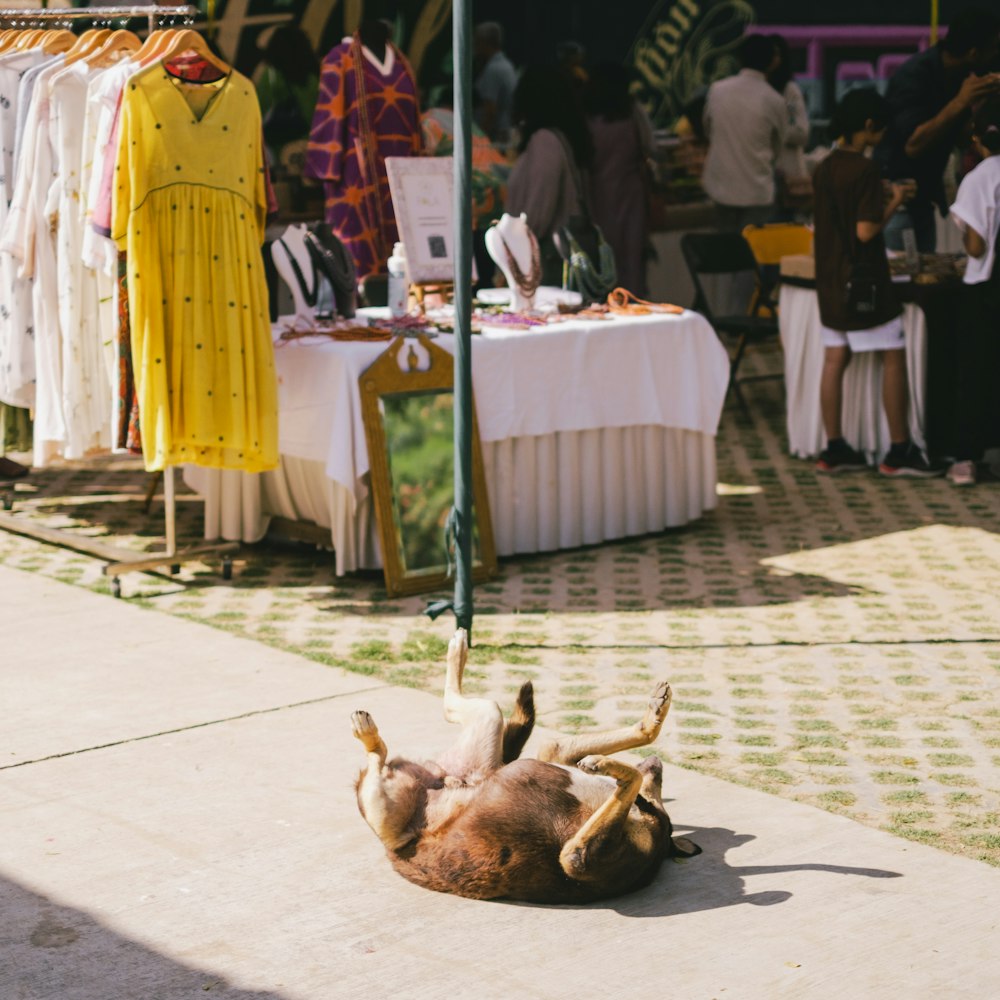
(659, 701)
(593, 764)
(458, 651)
(364, 729)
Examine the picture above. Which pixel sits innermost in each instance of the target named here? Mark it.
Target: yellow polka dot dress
(189, 206)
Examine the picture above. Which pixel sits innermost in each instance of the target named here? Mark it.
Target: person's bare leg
(831, 389)
(896, 395)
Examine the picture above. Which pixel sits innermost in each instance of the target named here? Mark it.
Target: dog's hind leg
(481, 744)
(604, 825)
(571, 749)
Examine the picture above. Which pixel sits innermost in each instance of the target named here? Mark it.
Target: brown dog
(570, 827)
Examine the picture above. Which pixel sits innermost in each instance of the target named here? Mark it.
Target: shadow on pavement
(52, 950)
(708, 882)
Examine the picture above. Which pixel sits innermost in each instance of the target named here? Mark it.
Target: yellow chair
(769, 244)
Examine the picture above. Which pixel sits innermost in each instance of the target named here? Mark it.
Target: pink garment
(618, 197)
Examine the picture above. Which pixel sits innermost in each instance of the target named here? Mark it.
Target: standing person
(494, 84)
(623, 139)
(794, 184)
(977, 211)
(850, 214)
(548, 182)
(930, 100)
(745, 122)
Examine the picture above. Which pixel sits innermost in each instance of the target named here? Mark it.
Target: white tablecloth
(864, 423)
(590, 430)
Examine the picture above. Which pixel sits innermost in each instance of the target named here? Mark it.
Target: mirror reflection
(419, 435)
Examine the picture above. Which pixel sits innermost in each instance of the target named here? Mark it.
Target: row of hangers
(102, 47)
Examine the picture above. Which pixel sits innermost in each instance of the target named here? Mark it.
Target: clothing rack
(118, 561)
(26, 18)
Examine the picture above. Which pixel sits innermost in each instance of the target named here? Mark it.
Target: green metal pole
(461, 14)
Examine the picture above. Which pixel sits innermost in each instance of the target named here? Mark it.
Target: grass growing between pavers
(837, 643)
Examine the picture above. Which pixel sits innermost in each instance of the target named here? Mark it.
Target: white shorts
(887, 337)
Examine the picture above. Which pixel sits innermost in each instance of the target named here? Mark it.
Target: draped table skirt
(590, 431)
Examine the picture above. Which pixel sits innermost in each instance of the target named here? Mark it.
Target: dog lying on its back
(570, 827)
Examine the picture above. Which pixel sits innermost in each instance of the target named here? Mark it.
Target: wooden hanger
(7, 38)
(189, 40)
(28, 38)
(88, 42)
(114, 48)
(155, 41)
(54, 42)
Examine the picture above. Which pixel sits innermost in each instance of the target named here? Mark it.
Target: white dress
(85, 389)
(17, 352)
(27, 236)
(99, 252)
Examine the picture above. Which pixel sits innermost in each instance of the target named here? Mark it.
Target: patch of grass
(756, 741)
(374, 650)
(894, 778)
(879, 723)
(578, 704)
(883, 741)
(774, 776)
(815, 725)
(578, 723)
(422, 646)
(955, 780)
(964, 799)
(838, 797)
(911, 816)
(764, 759)
(950, 760)
(820, 757)
(911, 795)
(921, 836)
(694, 722)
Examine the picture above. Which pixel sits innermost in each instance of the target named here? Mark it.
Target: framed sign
(422, 197)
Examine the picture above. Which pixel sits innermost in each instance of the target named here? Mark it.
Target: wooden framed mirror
(407, 404)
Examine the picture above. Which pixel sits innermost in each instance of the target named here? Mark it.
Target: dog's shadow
(708, 882)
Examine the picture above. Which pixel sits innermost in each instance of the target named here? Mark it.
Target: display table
(928, 315)
(591, 430)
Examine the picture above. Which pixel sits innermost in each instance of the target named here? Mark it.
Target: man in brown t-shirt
(850, 214)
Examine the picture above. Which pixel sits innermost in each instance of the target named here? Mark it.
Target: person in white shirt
(977, 212)
(745, 122)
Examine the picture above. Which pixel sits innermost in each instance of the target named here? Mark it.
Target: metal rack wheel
(227, 568)
(116, 587)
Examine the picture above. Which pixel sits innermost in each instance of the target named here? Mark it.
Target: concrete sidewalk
(179, 821)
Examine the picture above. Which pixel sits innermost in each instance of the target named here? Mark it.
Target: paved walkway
(834, 641)
(179, 822)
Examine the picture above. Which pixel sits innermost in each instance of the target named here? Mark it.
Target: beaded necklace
(527, 283)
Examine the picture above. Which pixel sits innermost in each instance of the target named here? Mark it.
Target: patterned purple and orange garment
(362, 117)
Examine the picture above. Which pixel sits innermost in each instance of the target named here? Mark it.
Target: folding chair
(728, 254)
(769, 244)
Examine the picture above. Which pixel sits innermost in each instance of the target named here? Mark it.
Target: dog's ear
(684, 848)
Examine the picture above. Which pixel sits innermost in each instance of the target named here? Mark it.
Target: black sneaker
(842, 458)
(910, 463)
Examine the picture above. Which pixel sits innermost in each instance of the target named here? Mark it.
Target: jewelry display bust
(295, 267)
(514, 248)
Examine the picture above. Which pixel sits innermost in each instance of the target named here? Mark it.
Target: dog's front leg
(387, 817)
(579, 851)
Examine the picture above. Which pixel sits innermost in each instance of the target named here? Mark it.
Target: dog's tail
(517, 728)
